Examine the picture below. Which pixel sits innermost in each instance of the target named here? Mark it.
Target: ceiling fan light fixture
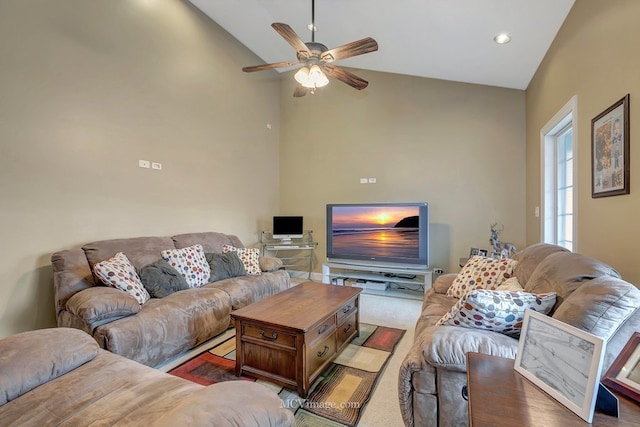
(311, 77)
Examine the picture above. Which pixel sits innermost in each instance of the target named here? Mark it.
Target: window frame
(566, 117)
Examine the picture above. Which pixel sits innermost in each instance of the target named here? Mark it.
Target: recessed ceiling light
(502, 38)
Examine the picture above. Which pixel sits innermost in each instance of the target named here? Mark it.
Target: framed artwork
(564, 361)
(624, 373)
(610, 150)
(476, 251)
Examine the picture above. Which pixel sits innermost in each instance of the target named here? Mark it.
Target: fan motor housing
(316, 50)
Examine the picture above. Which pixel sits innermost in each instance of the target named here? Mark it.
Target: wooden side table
(500, 396)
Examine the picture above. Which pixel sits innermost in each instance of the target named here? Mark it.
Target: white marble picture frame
(562, 360)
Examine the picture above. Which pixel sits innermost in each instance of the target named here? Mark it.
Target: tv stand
(409, 281)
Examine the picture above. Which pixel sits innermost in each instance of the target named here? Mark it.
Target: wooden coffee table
(291, 337)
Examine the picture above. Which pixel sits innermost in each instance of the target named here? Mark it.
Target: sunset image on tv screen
(380, 231)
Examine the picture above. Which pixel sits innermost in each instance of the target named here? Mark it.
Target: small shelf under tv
(411, 281)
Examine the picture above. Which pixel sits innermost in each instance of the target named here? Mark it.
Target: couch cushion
(245, 290)
(600, 306)
(481, 273)
(529, 258)
(141, 251)
(498, 311)
(118, 273)
(191, 263)
(564, 272)
(224, 266)
(168, 326)
(210, 241)
(100, 303)
(32, 358)
(447, 346)
(160, 279)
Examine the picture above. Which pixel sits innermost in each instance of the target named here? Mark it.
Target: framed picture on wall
(610, 150)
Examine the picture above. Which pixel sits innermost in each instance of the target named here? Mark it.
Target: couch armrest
(269, 263)
(100, 303)
(447, 346)
(443, 282)
(228, 404)
(32, 358)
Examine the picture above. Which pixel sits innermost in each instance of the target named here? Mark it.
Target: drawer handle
(323, 328)
(347, 309)
(323, 352)
(347, 328)
(273, 337)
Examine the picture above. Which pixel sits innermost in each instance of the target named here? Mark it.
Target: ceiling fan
(317, 60)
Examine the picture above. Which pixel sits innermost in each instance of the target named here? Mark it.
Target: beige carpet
(383, 409)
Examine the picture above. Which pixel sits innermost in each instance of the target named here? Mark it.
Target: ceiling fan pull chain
(313, 21)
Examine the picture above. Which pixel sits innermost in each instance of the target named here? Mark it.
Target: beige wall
(458, 146)
(594, 56)
(87, 89)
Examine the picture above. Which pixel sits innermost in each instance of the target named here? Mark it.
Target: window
(558, 175)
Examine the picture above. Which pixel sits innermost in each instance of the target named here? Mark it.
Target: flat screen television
(286, 228)
(383, 234)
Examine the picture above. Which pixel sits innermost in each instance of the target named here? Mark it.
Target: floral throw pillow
(119, 273)
(190, 263)
(250, 258)
(481, 273)
(498, 311)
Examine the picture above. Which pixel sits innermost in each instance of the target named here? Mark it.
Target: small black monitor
(287, 227)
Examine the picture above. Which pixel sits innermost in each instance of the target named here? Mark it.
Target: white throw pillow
(191, 263)
(119, 273)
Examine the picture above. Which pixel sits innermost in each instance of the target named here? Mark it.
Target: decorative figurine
(500, 250)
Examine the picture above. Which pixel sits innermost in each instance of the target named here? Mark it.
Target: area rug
(339, 395)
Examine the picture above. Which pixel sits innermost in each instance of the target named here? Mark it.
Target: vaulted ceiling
(442, 39)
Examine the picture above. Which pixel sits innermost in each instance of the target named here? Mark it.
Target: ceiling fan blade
(269, 66)
(292, 38)
(348, 50)
(300, 91)
(344, 76)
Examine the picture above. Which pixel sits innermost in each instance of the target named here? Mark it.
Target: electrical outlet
(363, 180)
(144, 164)
(156, 166)
(372, 180)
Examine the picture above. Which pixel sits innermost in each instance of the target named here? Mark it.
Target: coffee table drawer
(346, 329)
(347, 310)
(269, 335)
(321, 353)
(321, 330)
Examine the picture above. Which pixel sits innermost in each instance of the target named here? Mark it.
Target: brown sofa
(161, 328)
(60, 376)
(590, 295)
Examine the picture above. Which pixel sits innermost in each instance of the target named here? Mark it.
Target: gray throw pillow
(160, 279)
(224, 266)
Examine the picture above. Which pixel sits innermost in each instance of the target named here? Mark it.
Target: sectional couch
(60, 376)
(590, 295)
(160, 328)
